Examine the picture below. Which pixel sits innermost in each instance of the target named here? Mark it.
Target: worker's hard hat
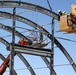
(59, 10)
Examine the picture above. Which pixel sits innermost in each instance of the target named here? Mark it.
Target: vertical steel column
(52, 44)
(12, 45)
(19, 2)
(52, 48)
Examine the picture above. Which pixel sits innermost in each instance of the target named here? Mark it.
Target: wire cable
(31, 30)
(62, 65)
(36, 30)
(42, 67)
(49, 5)
(65, 39)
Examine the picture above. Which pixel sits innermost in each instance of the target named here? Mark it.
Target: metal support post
(12, 45)
(52, 49)
(19, 2)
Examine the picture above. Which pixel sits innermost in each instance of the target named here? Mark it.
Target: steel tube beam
(13, 43)
(19, 18)
(29, 6)
(32, 51)
(52, 48)
(2, 57)
(3, 41)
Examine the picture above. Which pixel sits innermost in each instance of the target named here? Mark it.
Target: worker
(61, 13)
(73, 19)
(23, 42)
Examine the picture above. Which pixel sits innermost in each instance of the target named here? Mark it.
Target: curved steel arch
(26, 63)
(3, 58)
(22, 19)
(4, 41)
(48, 64)
(25, 5)
(19, 55)
(19, 18)
(9, 29)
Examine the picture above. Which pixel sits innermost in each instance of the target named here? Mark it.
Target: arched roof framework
(44, 11)
(29, 6)
(9, 29)
(22, 19)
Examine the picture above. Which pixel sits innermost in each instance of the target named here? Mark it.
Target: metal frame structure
(24, 60)
(31, 50)
(9, 29)
(22, 19)
(24, 5)
(19, 55)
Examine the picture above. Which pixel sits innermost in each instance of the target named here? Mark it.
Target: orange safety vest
(23, 42)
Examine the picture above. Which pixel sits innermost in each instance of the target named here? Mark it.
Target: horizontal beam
(32, 50)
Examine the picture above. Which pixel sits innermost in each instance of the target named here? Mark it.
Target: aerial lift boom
(6, 61)
(68, 21)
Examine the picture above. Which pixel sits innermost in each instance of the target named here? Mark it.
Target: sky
(35, 61)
